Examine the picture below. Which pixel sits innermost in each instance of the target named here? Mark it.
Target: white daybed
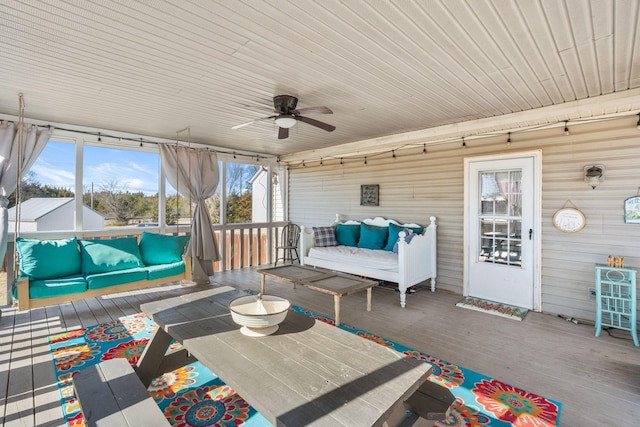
(414, 263)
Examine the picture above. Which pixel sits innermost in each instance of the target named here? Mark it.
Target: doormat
(491, 307)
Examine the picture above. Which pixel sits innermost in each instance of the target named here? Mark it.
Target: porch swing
(57, 271)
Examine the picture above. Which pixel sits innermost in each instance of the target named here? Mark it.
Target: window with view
(46, 191)
(121, 185)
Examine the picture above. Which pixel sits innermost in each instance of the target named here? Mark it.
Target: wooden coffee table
(321, 280)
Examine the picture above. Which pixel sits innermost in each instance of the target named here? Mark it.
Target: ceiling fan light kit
(287, 116)
(286, 122)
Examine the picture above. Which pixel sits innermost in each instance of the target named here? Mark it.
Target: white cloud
(48, 175)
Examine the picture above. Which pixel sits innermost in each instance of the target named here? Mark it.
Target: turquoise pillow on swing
(157, 249)
(102, 256)
(48, 259)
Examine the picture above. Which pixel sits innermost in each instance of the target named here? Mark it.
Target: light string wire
(140, 141)
(464, 139)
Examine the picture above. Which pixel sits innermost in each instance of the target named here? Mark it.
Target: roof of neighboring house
(37, 207)
(258, 173)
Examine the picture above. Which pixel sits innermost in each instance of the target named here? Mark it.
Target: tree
(176, 208)
(239, 195)
(30, 187)
(239, 208)
(118, 203)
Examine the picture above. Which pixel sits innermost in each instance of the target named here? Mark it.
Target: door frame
(537, 220)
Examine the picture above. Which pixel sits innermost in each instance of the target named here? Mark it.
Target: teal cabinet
(616, 299)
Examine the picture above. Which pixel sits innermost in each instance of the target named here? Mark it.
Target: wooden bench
(430, 402)
(111, 395)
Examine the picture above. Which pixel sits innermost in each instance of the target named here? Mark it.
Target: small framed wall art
(369, 195)
(569, 219)
(632, 210)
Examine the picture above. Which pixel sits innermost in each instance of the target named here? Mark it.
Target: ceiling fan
(287, 116)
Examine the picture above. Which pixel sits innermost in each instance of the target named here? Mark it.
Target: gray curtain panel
(33, 141)
(194, 174)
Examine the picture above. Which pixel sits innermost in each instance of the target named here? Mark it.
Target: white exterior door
(502, 228)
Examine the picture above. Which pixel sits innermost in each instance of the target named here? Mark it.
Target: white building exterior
(53, 214)
(259, 188)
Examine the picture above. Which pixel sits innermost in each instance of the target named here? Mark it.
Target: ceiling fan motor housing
(284, 104)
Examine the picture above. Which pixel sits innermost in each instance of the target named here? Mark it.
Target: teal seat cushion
(101, 256)
(158, 249)
(394, 230)
(118, 277)
(348, 235)
(372, 237)
(165, 270)
(57, 287)
(48, 259)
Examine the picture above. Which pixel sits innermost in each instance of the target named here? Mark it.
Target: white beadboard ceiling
(154, 67)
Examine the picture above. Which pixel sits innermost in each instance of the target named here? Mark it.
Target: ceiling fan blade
(252, 122)
(283, 133)
(316, 123)
(314, 110)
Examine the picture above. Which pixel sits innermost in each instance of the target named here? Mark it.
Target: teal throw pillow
(48, 259)
(394, 229)
(372, 237)
(156, 249)
(348, 235)
(101, 256)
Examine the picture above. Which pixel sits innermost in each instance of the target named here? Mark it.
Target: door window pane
(500, 218)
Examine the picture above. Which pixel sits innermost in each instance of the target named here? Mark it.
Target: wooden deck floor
(596, 379)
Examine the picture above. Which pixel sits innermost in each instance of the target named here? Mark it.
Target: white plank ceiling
(154, 67)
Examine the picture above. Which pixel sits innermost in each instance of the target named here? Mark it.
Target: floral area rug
(194, 396)
(491, 307)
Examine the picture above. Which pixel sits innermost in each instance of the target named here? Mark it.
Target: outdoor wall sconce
(594, 175)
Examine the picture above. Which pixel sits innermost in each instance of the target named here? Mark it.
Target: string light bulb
(393, 153)
(424, 148)
(99, 138)
(566, 128)
(341, 162)
(508, 139)
(321, 164)
(365, 160)
(464, 144)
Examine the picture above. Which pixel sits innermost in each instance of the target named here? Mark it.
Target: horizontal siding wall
(414, 186)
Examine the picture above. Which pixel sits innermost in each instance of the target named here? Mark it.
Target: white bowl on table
(259, 315)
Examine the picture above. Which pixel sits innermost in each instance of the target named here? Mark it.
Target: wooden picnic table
(306, 374)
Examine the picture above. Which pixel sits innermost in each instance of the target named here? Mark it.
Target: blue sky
(134, 171)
